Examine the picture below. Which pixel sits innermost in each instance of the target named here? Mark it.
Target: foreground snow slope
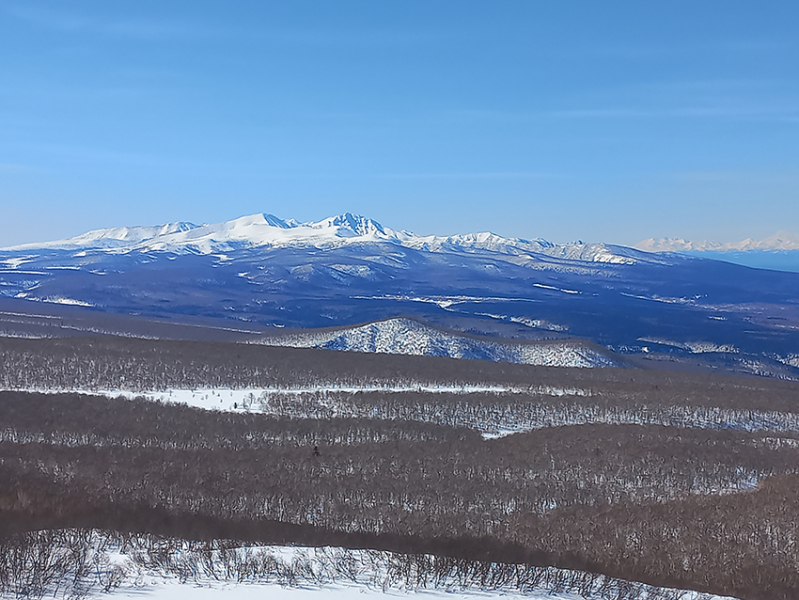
(226, 591)
(156, 568)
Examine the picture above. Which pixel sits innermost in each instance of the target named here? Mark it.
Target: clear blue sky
(602, 121)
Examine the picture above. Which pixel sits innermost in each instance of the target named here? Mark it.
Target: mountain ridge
(267, 230)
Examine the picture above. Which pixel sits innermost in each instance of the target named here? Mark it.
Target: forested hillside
(670, 479)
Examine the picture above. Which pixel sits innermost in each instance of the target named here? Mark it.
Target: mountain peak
(349, 223)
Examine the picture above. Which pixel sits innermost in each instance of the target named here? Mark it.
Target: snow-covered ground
(152, 568)
(177, 591)
(174, 590)
(225, 591)
(244, 399)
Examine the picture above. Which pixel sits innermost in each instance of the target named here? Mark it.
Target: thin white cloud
(683, 112)
(152, 29)
(13, 167)
(74, 153)
(790, 176)
(631, 112)
(668, 51)
(354, 38)
(471, 175)
(127, 28)
(711, 98)
(46, 17)
(751, 99)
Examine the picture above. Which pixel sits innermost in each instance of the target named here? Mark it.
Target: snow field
(153, 568)
(245, 399)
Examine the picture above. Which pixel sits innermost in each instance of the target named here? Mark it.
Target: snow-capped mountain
(348, 269)
(252, 230)
(780, 241)
(117, 237)
(778, 252)
(265, 230)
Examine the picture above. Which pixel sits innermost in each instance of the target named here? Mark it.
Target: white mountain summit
(266, 230)
(253, 230)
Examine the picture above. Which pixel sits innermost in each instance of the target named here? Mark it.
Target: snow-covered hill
(407, 336)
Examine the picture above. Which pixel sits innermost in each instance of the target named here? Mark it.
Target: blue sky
(601, 121)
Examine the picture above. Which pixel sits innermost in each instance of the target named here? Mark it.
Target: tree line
(106, 363)
(504, 412)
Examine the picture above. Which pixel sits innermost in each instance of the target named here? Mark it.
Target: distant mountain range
(341, 272)
(266, 230)
(269, 231)
(780, 241)
(779, 251)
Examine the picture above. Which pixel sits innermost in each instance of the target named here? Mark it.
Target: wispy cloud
(787, 175)
(164, 29)
(14, 167)
(719, 98)
(695, 112)
(353, 38)
(668, 51)
(470, 175)
(704, 99)
(60, 20)
(64, 154)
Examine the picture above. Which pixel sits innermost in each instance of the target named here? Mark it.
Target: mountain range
(274, 275)
(780, 241)
(778, 252)
(269, 231)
